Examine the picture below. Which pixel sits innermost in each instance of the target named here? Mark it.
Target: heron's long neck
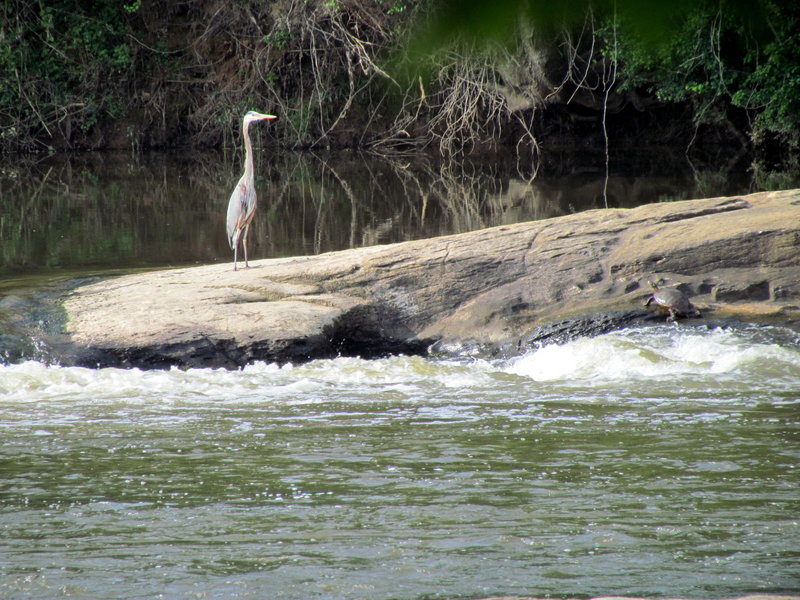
(248, 155)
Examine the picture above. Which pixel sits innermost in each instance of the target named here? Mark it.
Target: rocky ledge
(495, 290)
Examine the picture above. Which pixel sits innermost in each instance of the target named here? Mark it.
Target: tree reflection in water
(96, 211)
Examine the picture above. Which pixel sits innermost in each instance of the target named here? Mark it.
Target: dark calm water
(661, 462)
(95, 212)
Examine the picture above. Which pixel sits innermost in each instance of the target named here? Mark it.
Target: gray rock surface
(493, 290)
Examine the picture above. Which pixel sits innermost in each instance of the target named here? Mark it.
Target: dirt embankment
(494, 290)
(166, 75)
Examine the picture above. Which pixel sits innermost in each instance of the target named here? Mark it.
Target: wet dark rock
(493, 291)
(590, 325)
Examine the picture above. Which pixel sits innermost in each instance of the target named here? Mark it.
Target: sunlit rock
(489, 291)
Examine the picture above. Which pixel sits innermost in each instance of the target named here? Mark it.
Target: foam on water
(303, 479)
(34, 381)
(658, 353)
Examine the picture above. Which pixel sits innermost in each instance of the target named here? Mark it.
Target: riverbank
(489, 291)
(400, 76)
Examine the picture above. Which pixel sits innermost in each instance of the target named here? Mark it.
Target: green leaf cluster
(63, 63)
(714, 54)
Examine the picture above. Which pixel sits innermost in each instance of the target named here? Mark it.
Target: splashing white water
(33, 381)
(657, 353)
(623, 358)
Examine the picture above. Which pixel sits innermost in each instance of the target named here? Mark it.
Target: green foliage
(783, 177)
(278, 39)
(396, 8)
(68, 68)
(773, 86)
(712, 54)
(132, 7)
(717, 54)
(63, 61)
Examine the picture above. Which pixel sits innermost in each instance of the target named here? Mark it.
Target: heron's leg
(244, 243)
(235, 248)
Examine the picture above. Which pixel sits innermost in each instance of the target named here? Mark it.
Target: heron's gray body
(242, 205)
(241, 208)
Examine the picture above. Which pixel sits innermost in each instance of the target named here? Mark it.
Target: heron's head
(256, 116)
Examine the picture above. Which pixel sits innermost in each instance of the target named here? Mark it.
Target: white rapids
(652, 356)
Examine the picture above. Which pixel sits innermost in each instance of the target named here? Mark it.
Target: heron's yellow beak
(254, 115)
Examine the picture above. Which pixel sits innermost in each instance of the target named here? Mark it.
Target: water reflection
(103, 211)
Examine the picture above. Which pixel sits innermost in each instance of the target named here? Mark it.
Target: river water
(661, 461)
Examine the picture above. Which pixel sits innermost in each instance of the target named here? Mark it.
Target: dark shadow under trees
(398, 76)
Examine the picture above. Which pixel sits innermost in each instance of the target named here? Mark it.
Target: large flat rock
(491, 289)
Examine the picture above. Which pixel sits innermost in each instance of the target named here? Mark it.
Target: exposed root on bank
(189, 70)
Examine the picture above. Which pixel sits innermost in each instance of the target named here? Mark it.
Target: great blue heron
(242, 204)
